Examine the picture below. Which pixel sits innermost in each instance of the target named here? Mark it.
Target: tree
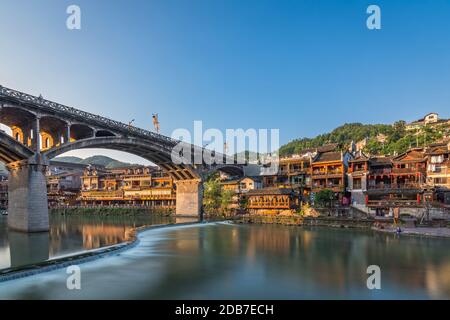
(216, 201)
(324, 197)
(226, 199)
(212, 195)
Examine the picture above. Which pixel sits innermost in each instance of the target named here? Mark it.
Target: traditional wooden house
(358, 170)
(271, 200)
(409, 169)
(328, 171)
(397, 181)
(136, 185)
(293, 171)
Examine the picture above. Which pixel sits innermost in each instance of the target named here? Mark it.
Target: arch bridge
(42, 129)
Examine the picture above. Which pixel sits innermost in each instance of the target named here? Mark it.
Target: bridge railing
(104, 122)
(117, 125)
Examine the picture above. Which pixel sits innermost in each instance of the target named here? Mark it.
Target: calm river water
(68, 235)
(226, 261)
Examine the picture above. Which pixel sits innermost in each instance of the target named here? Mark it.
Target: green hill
(96, 160)
(380, 138)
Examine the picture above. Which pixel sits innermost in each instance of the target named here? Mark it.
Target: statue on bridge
(155, 122)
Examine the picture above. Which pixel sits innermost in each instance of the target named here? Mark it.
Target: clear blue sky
(304, 67)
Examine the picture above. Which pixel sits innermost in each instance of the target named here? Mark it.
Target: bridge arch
(12, 150)
(145, 149)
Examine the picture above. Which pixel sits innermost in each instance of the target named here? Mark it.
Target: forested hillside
(381, 138)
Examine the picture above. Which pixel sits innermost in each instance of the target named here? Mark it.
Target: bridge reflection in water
(68, 235)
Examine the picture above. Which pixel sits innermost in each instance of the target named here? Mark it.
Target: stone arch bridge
(42, 130)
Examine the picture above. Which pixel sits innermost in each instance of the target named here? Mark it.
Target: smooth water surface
(226, 261)
(68, 235)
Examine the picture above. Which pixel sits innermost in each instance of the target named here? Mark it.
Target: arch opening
(104, 133)
(80, 131)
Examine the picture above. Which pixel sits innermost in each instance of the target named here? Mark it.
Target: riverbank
(380, 224)
(438, 232)
(111, 211)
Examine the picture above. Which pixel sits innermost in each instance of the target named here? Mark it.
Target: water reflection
(224, 261)
(68, 235)
(28, 248)
(293, 262)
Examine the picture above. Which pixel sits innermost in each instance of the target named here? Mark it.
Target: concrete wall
(189, 197)
(27, 195)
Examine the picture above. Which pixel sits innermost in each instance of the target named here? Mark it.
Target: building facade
(136, 186)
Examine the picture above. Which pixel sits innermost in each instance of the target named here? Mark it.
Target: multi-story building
(397, 181)
(438, 168)
(328, 171)
(358, 170)
(64, 183)
(293, 172)
(271, 200)
(438, 171)
(138, 185)
(430, 119)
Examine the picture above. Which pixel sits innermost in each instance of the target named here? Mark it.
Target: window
(357, 183)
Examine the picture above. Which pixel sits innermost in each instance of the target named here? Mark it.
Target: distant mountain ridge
(96, 160)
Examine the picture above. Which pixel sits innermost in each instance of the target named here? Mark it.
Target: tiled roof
(328, 147)
(328, 156)
(380, 160)
(270, 191)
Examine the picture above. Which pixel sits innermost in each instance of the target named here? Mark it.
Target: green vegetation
(215, 200)
(95, 160)
(381, 138)
(324, 198)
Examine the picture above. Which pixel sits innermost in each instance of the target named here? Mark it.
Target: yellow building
(137, 186)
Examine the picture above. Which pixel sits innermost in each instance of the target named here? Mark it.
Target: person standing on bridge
(155, 122)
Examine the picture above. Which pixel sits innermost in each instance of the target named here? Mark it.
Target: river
(68, 235)
(226, 261)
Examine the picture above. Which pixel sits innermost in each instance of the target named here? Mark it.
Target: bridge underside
(151, 152)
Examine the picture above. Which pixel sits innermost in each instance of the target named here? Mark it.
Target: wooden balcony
(386, 171)
(408, 171)
(268, 205)
(394, 186)
(102, 195)
(334, 187)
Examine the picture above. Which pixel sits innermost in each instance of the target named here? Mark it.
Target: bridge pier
(27, 196)
(189, 197)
